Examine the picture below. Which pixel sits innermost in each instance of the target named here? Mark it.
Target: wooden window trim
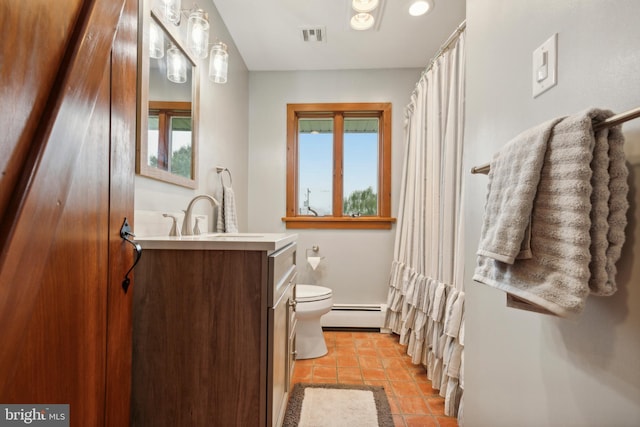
(384, 219)
(165, 110)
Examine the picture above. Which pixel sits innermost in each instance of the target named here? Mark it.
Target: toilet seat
(310, 293)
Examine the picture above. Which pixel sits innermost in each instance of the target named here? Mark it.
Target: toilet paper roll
(314, 261)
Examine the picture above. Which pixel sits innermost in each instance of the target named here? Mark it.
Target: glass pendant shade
(198, 33)
(156, 41)
(171, 9)
(176, 65)
(362, 21)
(218, 63)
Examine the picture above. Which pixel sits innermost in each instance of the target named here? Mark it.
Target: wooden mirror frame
(172, 33)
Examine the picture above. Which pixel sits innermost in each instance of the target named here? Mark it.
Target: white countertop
(220, 241)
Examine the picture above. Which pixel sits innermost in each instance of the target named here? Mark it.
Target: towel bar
(611, 121)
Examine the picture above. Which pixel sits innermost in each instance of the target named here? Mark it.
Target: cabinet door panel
(278, 322)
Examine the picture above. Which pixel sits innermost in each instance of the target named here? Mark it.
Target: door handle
(125, 233)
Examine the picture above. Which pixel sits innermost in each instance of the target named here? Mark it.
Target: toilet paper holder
(315, 249)
(314, 259)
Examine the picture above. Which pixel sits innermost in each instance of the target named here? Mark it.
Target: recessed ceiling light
(420, 7)
(364, 6)
(362, 21)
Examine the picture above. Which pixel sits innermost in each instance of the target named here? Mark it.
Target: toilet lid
(311, 293)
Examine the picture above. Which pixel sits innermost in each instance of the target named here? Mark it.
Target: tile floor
(378, 359)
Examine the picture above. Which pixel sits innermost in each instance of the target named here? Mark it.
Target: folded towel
(227, 221)
(577, 222)
(220, 216)
(513, 180)
(229, 208)
(609, 208)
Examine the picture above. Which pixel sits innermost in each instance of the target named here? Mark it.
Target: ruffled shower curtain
(426, 293)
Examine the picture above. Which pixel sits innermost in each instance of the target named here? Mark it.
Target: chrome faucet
(187, 228)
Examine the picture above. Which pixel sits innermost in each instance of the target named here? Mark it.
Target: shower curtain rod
(611, 121)
(443, 48)
(447, 44)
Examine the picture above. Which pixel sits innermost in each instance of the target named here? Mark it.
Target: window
(169, 138)
(339, 165)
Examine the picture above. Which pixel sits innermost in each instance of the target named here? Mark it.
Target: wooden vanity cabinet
(212, 337)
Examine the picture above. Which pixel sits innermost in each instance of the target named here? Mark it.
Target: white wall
(357, 262)
(223, 137)
(525, 369)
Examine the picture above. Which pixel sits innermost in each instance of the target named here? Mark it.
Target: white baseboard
(355, 316)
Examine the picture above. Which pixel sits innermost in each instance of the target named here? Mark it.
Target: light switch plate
(545, 66)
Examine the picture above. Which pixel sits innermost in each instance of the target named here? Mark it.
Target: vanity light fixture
(197, 43)
(198, 33)
(171, 10)
(218, 63)
(420, 7)
(156, 41)
(176, 65)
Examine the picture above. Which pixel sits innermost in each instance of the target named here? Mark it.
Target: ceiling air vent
(314, 34)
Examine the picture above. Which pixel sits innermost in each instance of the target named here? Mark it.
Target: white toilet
(312, 303)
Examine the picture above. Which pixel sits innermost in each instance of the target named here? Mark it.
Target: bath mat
(337, 405)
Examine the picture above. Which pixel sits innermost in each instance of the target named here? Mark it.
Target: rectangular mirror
(168, 88)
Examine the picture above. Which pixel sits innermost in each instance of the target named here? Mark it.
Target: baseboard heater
(355, 316)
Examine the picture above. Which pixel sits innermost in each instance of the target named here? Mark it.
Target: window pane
(181, 150)
(360, 185)
(315, 167)
(153, 139)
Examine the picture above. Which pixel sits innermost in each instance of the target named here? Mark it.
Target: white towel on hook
(220, 216)
(227, 221)
(229, 210)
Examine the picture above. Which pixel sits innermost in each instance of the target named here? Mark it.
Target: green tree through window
(361, 202)
(180, 162)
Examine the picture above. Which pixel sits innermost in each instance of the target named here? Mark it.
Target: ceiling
(268, 34)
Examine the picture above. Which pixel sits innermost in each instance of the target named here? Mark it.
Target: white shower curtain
(426, 293)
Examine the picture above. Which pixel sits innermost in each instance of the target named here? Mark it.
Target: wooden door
(68, 77)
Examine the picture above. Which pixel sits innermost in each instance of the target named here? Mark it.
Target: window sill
(363, 222)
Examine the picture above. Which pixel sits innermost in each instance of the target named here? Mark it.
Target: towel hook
(220, 169)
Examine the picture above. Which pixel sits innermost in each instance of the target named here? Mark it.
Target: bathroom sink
(231, 241)
(209, 236)
(234, 235)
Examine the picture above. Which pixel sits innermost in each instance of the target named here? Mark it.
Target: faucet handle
(175, 231)
(196, 229)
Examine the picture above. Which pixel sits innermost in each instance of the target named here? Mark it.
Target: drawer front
(282, 272)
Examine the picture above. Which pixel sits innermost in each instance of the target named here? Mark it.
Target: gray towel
(513, 181)
(577, 223)
(229, 210)
(227, 221)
